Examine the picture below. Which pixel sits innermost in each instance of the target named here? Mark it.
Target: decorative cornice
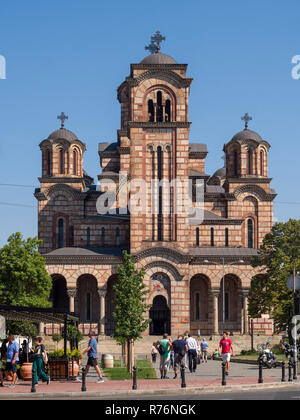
(76, 194)
(161, 251)
(148, 124)
(158, 66)
(82, 259)
(198, 155)
(256, 190)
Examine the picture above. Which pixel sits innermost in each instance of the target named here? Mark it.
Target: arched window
(226, 237)
(88, 237)
(88, 306)
(262, 163)
(75, 162)
(212, 237)
(249, 162)
(118, 236)
(61, 162)
(197, 236)
(103, 236)
(60, 234)
(250, 228)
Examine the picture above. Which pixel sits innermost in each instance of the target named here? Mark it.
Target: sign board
(2, 328)
(290, 282)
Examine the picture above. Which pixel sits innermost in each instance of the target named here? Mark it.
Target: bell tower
(155, 133)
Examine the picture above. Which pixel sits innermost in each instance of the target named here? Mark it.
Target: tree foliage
(130, 298)
(278, 256)
(24, 280)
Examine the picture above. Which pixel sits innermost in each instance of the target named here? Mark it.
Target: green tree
(24, 280)
(278, 256)
(130, 306)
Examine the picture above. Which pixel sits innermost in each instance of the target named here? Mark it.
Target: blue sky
(71, 56)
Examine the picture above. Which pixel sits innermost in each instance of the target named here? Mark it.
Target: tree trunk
(130, 356)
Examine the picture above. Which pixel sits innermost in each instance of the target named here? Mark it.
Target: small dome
(63, 134)
(220, 173)
(247, 135)
(158, 58)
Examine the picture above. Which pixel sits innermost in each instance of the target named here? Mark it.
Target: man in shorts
(227, 350)
(91, 350)
(165, 343)
(12, 358)
(180, 348)
(204, 350)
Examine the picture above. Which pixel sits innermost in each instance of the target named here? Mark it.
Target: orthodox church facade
(197, 269)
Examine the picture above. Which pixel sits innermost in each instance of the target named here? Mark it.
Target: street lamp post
(223, 285)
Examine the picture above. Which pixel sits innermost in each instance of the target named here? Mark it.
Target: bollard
(83, 386)
(295, 370)
(33, 389)
(183, 383)
(134, 385)
(290, 371)
(283, 372)
(223, 374)
(260, 372)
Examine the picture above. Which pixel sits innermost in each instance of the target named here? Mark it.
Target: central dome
(158, 58)
(63, 134)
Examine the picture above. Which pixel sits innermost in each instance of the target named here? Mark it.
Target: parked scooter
(266, 356)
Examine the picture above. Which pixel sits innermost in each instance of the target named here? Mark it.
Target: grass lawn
(253, 355)
(145, 370)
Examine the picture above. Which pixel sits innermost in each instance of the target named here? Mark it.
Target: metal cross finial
(62, 117)
(156, 40)
(246, 118)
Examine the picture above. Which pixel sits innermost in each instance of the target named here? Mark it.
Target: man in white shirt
(192, 353)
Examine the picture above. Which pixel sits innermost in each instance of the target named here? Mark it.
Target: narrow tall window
(160, 194)
(212, 237)
(249, 162)
(168, 111)
(226, 306)
(235, 157)
(118, 236)
(250, 233)
(262, 163)
(60, 239)
(61, 162)
(49, 155)
(88, 237)
(103, 236)
(150, 110)
(75, 162)
(197, 237)
(226, 237)
(197, 306)
(159, 115)
(88, 306)
(71, 235)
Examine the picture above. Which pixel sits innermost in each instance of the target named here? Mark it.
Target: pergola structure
(38, 315)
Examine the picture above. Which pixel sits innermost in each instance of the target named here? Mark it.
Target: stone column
(72, 293)
(215, 294)
(102, 294)
(245, 318)
(41, 328)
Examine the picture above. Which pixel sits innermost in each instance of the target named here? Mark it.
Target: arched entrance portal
(160, 315)
(59, 296)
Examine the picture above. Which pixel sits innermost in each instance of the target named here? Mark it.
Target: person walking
(164, 346)
(154, 353)
(204, 350)
(227, 350)
(180, 348)
(40, 355)
(192, 353)
(12, 358)
(91, 351)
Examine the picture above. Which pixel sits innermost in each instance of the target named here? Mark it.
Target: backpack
(161, 350)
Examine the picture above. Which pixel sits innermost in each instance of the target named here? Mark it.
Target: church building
(197, 269)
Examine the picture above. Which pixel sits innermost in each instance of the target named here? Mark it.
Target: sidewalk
(207, 378)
